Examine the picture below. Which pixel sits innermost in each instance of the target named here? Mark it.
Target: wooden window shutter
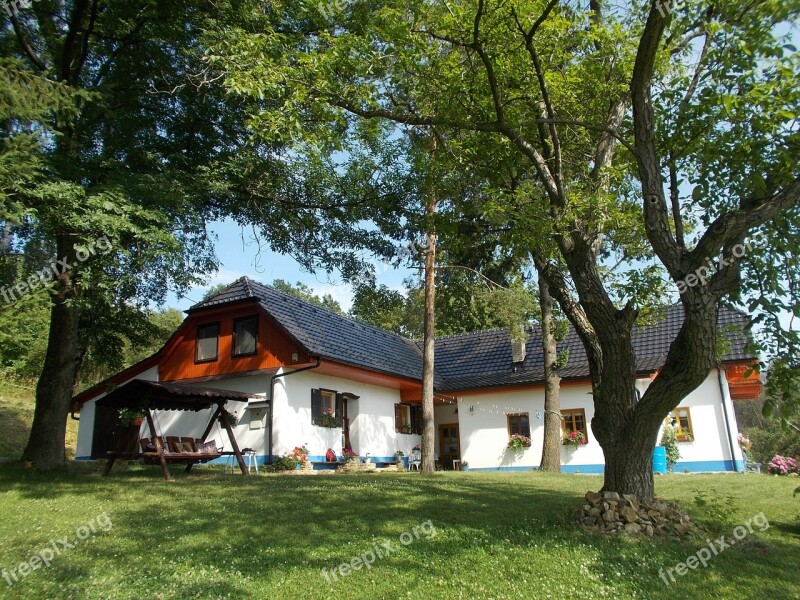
(398, 418)
(416, 419)
(338, 413)
(316, 406)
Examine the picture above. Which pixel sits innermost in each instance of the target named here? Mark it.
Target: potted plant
(406, 428)
(133, 416)
(349, 454)
(519, 442)
(328, 419)
(684, 436)
(574, 438)
(300, 454)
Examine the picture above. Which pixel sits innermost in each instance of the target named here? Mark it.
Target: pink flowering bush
(782, 465)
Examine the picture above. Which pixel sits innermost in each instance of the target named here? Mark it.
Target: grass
(16, 415)
(497, 535)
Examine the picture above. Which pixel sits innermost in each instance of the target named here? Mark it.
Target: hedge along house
(328, 381)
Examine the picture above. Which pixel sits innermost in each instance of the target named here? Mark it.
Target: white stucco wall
(484, 428)
(484, 432)
(711, 442)
(372, 428)
(481, 418)
(192, 424)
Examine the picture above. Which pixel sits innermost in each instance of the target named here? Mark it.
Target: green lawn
(498, 535)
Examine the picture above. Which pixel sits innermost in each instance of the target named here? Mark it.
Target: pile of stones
(610, 513)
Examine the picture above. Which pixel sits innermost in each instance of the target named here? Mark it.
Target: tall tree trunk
(428, 433)
(629, 461)
(45, 448)
(551, 448)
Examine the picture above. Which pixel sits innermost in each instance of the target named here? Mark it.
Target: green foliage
(775, 438)
(464, 304)
(377, 78)
(384, 308)
(284, 463)
(304, 292)
(24, 327)
(669, 440)
(782, 391)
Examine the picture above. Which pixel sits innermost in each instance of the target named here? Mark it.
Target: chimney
(517, 351)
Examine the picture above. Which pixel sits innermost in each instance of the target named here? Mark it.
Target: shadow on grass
(212, 535)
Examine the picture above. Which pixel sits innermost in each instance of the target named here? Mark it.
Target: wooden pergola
(148, 396)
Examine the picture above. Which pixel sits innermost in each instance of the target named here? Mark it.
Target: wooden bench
(179, 450)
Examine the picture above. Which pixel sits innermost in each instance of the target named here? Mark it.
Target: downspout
(272, 396)
(724, 397)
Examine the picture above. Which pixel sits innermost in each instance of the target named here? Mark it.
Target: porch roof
(140, 394)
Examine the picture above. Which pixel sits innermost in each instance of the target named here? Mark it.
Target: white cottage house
(330, 382)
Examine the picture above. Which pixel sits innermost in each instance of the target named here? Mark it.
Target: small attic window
(245, 336)
(207, 343)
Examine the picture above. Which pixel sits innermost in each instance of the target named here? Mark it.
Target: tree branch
(655, 205)
(26, 47)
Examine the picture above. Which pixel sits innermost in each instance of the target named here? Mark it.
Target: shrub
(772, 441)
(285, 463)
(669, 440)
(781, 465)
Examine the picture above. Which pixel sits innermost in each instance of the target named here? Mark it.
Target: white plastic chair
(414, 460)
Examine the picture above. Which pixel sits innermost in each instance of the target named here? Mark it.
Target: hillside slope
(16, 415)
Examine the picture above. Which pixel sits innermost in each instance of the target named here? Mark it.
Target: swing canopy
(141, 394)
(149, 396)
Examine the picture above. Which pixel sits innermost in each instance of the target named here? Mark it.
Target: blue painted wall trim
(701, 466)
(502, 468)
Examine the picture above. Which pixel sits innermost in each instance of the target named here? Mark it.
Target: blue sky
(239, 254)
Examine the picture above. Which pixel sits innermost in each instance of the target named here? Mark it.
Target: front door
(345, 426)
(449, 446)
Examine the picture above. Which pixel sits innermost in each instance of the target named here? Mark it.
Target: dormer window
(207, 343)
(245, 336)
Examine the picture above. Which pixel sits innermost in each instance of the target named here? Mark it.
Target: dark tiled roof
(483, 359)
(466, 361)
(325, 333)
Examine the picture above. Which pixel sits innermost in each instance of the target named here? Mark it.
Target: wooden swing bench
(149, 396)
(180, 450)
